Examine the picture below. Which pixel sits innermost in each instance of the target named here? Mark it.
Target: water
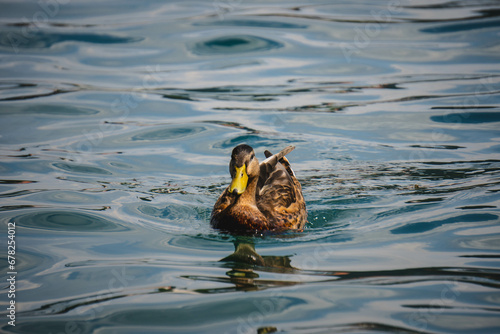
(118, 119)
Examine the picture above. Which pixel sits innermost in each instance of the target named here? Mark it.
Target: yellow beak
(240, 180)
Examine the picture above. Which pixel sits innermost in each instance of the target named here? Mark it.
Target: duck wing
(284, 161)
(271, 164)
(280, 194)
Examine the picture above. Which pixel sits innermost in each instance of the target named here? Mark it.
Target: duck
(261, 197)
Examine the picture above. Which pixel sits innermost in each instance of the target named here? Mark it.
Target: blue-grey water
(117, 120)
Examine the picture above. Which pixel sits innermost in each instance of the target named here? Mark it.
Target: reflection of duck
(245, 260)
(245, 254)
(261, 197)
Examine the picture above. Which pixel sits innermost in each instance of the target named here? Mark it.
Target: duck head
(243, 167)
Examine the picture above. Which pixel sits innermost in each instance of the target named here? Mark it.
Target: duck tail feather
(285, 151)
(273, 159)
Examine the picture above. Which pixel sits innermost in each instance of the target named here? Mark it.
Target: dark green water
(117, 120)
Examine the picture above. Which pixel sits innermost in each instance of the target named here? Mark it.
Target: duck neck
(248, 195)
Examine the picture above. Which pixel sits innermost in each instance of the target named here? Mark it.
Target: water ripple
(43, 39)
(66, 221)
(117, 123)
(234, 44)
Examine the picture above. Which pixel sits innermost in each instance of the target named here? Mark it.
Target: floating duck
(261, 197)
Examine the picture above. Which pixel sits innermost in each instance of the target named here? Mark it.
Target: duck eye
(252, 156)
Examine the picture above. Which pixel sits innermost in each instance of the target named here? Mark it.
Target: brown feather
(272, 201)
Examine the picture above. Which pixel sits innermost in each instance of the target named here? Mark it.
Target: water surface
(117, 123)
